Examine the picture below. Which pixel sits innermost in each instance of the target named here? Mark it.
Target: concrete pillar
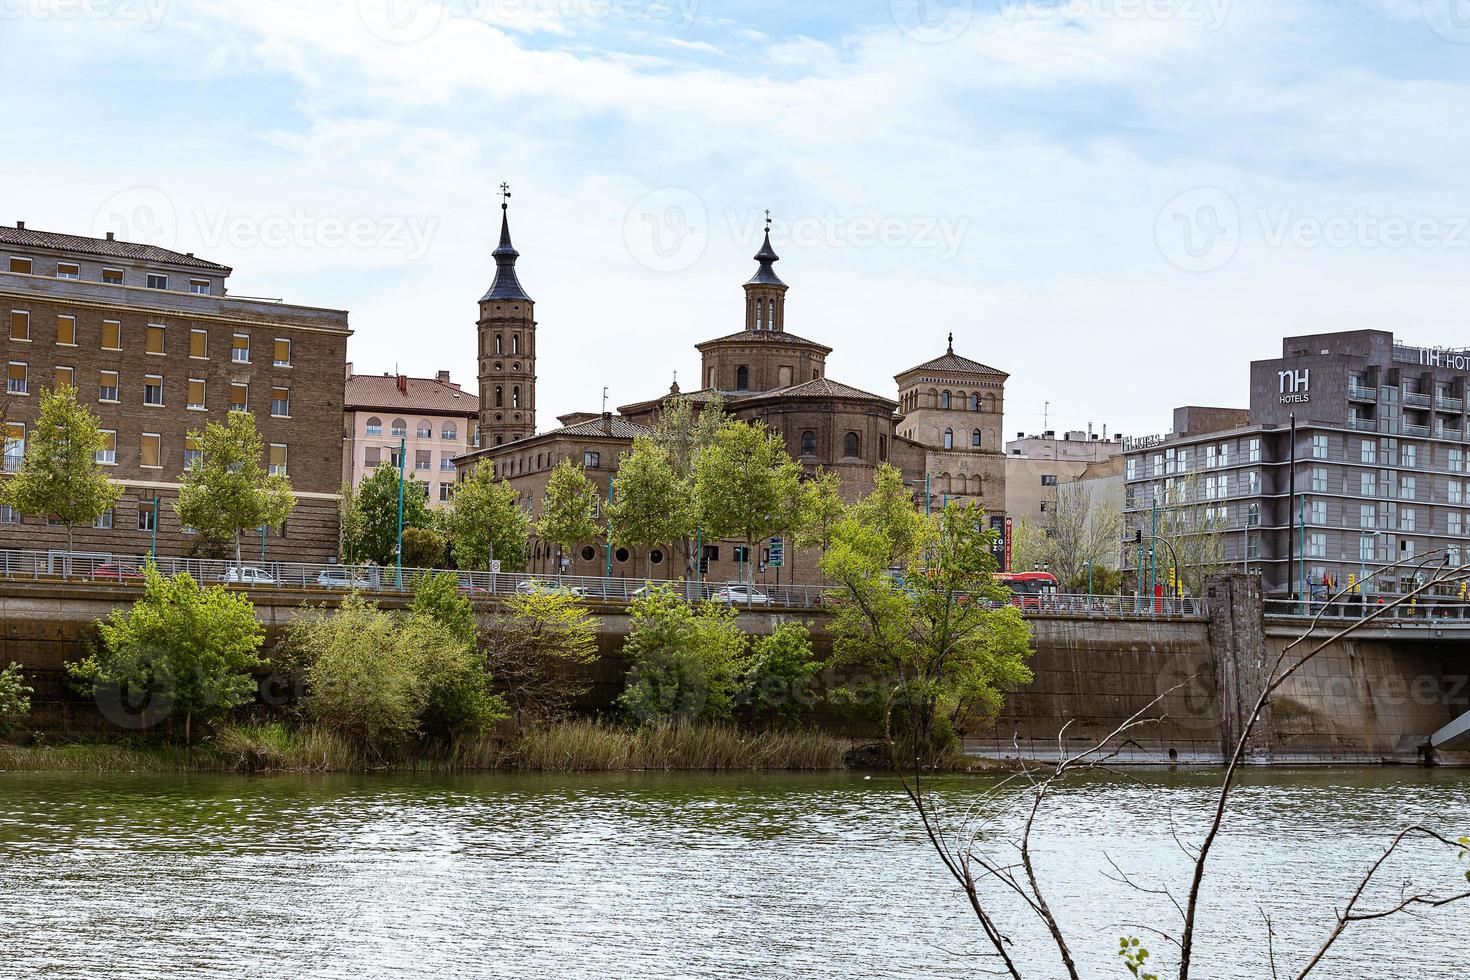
(1238, 646)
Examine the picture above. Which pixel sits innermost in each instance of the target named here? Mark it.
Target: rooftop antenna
(604, 401)
(1045, 414)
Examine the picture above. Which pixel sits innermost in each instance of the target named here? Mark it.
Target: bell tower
(765, 293)
(507, 328)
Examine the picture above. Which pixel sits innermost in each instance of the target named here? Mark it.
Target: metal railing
(330, 579)
(1436, 611)
(1414, 429)
(1449, 403)
(1362, 424)
(1416, 398)
(1361, 394)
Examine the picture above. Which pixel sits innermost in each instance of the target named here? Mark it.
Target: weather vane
(504, 195)
(768, 219)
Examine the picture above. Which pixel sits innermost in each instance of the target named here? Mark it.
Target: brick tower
(507, 329)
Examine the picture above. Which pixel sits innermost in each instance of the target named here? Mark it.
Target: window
(111, 335)
(281, 352)
(975, 438)
(498, 344)
(499, 396)
(1319, 446)
(9, 515)
(1367, 516)
(1456, 522)
(152, 389)
(444, 490)
(1406, 488)
(450, 432)
(1368, 451)
(515, 396)
(157, 281)
(1252, 483)
(240, 348)
(15, 445)
(1158, 462)
(742, 378)
(113, 277)
(1211, 458)
(1132, 468)
(808, 443)
(1048, 480)
(1406, 519)
(591, 460)
(68, 270)
(20, 265)
(948, 438)
(944, 400)
(1319, 479)
(150, 450)
(193, 455)
(195, 400)
(372, 456)
(374, 426)
(1224, 454)
(1456, 492)
(146, 517)
(199, 287)
(882, 448)
(66, 330)
(423, 459)
(107, 386)
(1317, 545)
(1368, 485)
(198, 343)
(64, 378)
(425, 430)
(400, 429)
(153, 336)
(16, 378)
(20, 325)
(852, 445)
(277, 458)
(515, 343)
(1211, 488)
(1410, 454)
(107, 455)
(446, 463)
(1319, 512)
(239, 397)
(104, 521)
(281, 402)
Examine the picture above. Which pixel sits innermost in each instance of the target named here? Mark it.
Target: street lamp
(1363, 536)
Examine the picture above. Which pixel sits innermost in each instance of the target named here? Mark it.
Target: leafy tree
(819, 507)
(568, 508)
(685, 660)
(1029, 549)
(538, 646)
(182, 647)
(351, 523)
(683, 431)
(487, 522)
(59, 474)
(436, 595)
(423, 548)
(229, 492)
(744, 483)
(652, 506)
(15, 698)
(941, 634)
(776, 685)
(1191, 526)
(375, 517)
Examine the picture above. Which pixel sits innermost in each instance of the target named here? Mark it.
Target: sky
(1119, 202)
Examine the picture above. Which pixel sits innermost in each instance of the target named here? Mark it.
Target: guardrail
(342, 579)
(1349, 609)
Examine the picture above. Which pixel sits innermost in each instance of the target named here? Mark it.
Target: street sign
(495, 567)
(778, 553)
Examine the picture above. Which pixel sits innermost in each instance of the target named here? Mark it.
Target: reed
(583, 746)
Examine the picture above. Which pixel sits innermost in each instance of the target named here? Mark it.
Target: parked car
(742, 595)
(343, 579)
(533, 585)
(117, 573)
(467, 586)
(249, 575)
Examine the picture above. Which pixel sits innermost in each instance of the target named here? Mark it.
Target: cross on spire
(504, 196)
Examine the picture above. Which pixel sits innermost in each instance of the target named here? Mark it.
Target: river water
(652, 875)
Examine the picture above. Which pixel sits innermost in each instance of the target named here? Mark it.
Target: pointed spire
(506, 285)
(765, 275)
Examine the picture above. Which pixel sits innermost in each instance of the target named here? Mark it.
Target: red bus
(1029, 590)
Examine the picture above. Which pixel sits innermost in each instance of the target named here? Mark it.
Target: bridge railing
(339, 579)
(1349, 609)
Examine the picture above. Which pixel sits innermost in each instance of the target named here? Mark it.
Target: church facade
(942, 431)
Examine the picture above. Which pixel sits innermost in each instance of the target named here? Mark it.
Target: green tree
(744, 483)
(59, 473)
(351, 523)
(819, 507)
(568, 508)
(487, 522)
(229, 492)
(181, 648)
(15, 698)
(423, 548)
(538, 647)
(683, 431)
(375, 522)
(652, 506)
(685, 660)
(436, 595)
(776, 685)
(941, 635)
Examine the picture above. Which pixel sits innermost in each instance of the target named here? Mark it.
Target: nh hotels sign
(1296, 386)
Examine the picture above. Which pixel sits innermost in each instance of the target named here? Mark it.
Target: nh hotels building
(1369, 435)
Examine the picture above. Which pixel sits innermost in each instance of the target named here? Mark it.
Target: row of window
(155, 337)
(109, 389)
(947, 400)
(150, 450)
(113, 277)
(425, 429)
(852, 445)
(372, 456)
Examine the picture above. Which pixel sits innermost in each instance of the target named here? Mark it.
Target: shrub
(776, 685)
(538, 647)
(436, 595)
(15, 698)
(685, 660)
(423, 548)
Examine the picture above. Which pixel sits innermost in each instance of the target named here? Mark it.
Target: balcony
(1366, 425)
(1410, 429)
(1446, 403)
(1358, 393)
(1418, 398)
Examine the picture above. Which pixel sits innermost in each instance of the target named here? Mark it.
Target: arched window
(975, 403)
(497, 343)
(374, 426)
(400, 428)
(515, 343)
(515, 397)
(711, 382)
(451, 431)
(944, 400)
(499, 396)
(808, 443)
(851, 445)
(948, 438)
(425, 429)
(975, 438)
(742, 378)
(760, 314)
(783, 376)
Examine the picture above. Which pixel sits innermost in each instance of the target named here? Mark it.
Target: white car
(249, 575)
(742, 595)
(533, 585)
(341, 578)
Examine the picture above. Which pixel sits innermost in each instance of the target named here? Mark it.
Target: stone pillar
(1238, 645)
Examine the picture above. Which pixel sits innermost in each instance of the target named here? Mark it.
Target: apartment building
(429, 420)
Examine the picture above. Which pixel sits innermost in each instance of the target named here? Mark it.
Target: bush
(538, 647)
(15, 698)
(436, 595)
(776, 685)
(685, 660)
(423, 548)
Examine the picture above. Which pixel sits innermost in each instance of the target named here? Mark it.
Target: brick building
(432, 419)
(155, 347)
(762, 372)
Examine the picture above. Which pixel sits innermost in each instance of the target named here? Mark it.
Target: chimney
(442, 377)
(349, 369)
(607, 423)
(111, 237)
(20, 225)
(403, 384)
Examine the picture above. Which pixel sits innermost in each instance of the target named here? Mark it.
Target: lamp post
(1363, 536)
(398, 551)
(1089, 578)
(153, 531)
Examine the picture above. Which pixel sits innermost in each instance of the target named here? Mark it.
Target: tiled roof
(621, 428)
(107, 247)
(954, 362)
(764, 337)
(822, 388)
(423, 396)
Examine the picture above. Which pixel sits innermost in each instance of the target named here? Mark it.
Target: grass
(571, 746)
